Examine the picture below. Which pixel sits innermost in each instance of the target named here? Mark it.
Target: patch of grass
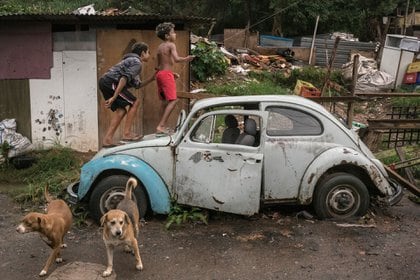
(313, 75)
(405, 101)
(390, 156)
(247, 87)
(56, 168)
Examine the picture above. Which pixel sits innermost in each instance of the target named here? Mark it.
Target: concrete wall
(64, 108)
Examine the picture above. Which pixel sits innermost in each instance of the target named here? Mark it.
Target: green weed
(313, 75)
(182, 214)
(249, 87)
(405, 101)
(56, 168)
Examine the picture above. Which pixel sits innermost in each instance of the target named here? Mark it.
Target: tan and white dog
(121, 227)
(53, 226)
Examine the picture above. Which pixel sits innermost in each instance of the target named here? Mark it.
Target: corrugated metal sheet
(324, 48)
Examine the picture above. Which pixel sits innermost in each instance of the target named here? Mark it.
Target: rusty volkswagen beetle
(239, 154)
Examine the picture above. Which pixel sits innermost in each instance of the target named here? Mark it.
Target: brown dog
(53, 225)
(121, 226)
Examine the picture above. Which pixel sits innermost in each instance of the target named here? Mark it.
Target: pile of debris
(243, 60)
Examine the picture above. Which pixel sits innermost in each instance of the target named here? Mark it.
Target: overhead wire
(235, 34)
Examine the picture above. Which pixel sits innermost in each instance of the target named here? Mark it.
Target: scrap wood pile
(266, 62)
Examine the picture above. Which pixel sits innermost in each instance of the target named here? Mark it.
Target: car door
(294, 137)
(219, 176)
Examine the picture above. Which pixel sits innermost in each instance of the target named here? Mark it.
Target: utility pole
(405, 17)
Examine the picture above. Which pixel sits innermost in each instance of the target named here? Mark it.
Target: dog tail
(47, 195)
(131, 184)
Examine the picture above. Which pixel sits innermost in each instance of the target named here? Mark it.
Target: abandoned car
(239, 154)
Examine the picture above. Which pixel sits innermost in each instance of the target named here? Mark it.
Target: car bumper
(73, 198)
(397, 195)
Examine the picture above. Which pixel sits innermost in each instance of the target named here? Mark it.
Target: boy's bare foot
(160, 129)
(132, 137)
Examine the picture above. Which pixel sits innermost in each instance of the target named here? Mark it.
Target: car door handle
(252, 160)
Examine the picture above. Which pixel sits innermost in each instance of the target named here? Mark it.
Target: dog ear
(126, 218)
(42, 222)
(103, 219)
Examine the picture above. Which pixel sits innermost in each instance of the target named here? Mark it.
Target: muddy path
(275, 245)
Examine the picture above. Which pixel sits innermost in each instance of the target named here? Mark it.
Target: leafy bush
(209, 61)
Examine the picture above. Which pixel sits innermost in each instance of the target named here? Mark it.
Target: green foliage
(248, 87)
(278, 17)
(47, 6)
(405, 101)
(313, 75)
(182, 214)
(209, 61)
(56, 168)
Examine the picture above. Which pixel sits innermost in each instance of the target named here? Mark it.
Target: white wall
(64, 108)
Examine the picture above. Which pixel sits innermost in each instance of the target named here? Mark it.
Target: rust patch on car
(345, 151)
(196, 157)
(376, 176)
(311, 178)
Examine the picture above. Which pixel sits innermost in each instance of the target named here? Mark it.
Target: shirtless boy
(167, 55)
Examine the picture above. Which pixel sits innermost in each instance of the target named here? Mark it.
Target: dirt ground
(277, 244)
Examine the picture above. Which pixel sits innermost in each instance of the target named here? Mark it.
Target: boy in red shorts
(167, 55)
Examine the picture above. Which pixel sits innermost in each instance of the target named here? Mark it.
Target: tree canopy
(279, 17)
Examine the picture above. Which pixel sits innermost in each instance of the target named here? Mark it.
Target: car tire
(341, 196)
(109, 191)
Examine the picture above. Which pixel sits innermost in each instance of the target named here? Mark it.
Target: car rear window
(291, 122)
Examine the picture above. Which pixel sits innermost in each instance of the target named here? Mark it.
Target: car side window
(290, 122)
(228, 129)
(203, 132)
(214, 129)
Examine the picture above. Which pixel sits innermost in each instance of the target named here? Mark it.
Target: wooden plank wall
(15, 104)
(111, 45)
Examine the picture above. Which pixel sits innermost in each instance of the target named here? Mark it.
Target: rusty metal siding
(324, 49)
(15, 104)
(111, 45)
(26, 50)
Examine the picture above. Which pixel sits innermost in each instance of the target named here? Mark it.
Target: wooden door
(111, 46)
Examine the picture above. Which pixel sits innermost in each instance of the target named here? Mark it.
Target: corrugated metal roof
(324, 48)
(99, 18)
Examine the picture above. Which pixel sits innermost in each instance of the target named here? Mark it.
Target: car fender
(329, 159)
(156, 188)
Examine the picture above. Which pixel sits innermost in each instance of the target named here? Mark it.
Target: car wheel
(340, 196)
(110, 191)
